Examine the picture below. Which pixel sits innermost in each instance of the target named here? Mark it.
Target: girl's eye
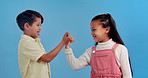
(93, 29)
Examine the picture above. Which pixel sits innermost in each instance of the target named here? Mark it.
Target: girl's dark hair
(107, 20)
(28, 16)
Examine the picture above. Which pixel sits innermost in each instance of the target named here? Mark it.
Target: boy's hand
(67, 38)
(70, 42)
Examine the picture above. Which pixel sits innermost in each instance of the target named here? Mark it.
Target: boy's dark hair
(107, 20)
(28, 16)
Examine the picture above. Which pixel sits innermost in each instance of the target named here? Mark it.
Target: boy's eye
(38, 25)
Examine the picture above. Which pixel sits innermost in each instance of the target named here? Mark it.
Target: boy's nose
(40, 28)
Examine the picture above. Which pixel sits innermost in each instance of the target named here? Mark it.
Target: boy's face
(34, 29)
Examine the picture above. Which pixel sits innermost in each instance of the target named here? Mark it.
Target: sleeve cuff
(68, 51)
(39, 56)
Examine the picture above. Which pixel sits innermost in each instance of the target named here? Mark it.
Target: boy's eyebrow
(39, 23)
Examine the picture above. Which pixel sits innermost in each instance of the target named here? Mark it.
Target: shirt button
(93, 51)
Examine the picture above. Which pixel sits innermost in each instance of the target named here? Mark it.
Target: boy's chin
(35, 37)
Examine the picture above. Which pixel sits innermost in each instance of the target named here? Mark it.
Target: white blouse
(121, 53)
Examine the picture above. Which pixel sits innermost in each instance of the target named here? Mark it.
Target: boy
(33, 60)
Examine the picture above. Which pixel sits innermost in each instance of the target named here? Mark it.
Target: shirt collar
(107, 42)
(30, 38)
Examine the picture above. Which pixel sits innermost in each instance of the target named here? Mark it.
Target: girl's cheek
(93, 33)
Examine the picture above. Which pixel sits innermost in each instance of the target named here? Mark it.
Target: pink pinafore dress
(103, 63)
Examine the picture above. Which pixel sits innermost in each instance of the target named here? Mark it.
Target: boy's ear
(107, 29)
(26, 26)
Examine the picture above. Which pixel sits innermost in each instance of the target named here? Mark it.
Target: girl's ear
(26, 26)
(107, 29)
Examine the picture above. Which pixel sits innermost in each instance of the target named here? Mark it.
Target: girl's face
(34, 29)
(99, 33)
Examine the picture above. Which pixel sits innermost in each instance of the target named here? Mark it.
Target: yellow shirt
(29, 52)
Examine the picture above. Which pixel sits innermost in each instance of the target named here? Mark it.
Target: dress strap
(115, 46)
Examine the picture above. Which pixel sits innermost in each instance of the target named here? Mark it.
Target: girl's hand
(67, 46)
(70, 42)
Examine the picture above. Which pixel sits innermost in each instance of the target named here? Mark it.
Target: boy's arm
(52, 54)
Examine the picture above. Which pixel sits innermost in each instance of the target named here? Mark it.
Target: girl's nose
(91, 33)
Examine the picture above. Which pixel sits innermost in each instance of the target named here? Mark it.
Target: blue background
(74, 16)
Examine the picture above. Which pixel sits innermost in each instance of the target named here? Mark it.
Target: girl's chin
(95, 41)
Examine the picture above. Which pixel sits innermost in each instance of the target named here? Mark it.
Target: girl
(109, 58)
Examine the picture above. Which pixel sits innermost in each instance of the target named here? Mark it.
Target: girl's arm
(124, 62)
(77, 63)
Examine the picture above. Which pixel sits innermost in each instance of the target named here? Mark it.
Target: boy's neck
(29, 35)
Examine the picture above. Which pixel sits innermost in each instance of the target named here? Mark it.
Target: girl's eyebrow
(92, 27)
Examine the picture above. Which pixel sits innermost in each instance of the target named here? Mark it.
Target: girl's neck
(105, 40)
(104, 43)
